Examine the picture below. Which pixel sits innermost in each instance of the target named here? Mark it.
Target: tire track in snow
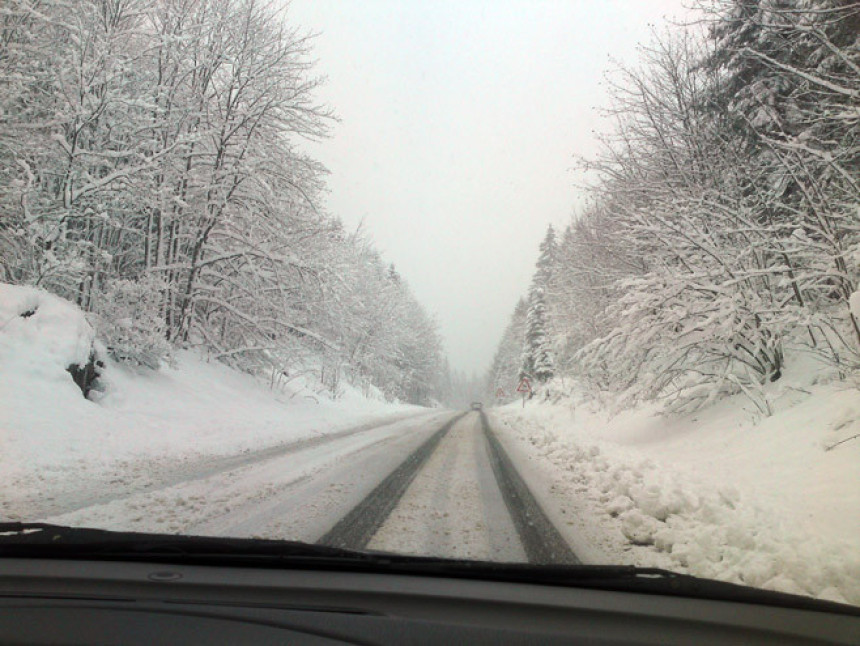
(297, 496)
(206, 467)
(356, 529)
(541, 540)
(454, 508)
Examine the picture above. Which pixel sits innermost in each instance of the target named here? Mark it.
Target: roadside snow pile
(766, 504)
(54, 442)
(41, 336)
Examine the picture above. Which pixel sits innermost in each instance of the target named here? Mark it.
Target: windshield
(548, 282)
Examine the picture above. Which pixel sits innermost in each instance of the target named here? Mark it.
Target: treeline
(723, 226)
(149, 172)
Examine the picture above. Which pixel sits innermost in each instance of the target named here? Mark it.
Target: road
(437, 485)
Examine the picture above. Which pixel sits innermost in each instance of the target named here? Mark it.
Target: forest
(151, 172)
(721, 236)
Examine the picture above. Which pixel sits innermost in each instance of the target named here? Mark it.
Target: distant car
(477, 405)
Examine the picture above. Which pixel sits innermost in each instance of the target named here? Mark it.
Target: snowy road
(439, 485)
(454, 507)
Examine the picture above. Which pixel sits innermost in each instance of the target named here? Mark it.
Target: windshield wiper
(42, 540)
(59, 541)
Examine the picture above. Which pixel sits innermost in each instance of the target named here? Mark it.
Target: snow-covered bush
(129, 321)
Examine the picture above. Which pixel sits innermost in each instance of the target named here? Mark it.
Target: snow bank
(52, 440)
(765, 503)
(40, 336)
(41, 333)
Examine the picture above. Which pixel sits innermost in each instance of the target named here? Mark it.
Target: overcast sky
(459, 123)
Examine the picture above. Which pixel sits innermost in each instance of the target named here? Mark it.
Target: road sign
(525, 388)
(500, 393)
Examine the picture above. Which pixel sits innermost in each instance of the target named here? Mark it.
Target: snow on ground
(52, 440)
(297, 495)
(720, 493)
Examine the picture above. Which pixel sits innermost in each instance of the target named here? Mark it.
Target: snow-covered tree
(537, 359)
(723, 225)
(547, 259)
(149, 171)
(792, 81)
(504, 372)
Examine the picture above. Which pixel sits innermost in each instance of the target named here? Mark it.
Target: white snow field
(57, 447)
(298, 495)
(771, 502)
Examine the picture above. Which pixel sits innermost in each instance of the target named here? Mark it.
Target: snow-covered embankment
(54, 442)
(770, 502)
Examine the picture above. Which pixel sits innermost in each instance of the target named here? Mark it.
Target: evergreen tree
(546, 259)
(508, 359)
(537, 359)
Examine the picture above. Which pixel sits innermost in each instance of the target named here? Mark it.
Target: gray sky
(459, 123)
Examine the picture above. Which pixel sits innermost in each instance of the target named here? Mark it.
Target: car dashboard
(44, 601)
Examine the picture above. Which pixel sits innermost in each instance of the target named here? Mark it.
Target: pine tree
(508, 359)
(537, 359)
(546, 259)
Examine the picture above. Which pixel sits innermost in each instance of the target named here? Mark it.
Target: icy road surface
(438, 485)
(454, 507)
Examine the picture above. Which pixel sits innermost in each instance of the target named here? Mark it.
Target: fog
(459, 124)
